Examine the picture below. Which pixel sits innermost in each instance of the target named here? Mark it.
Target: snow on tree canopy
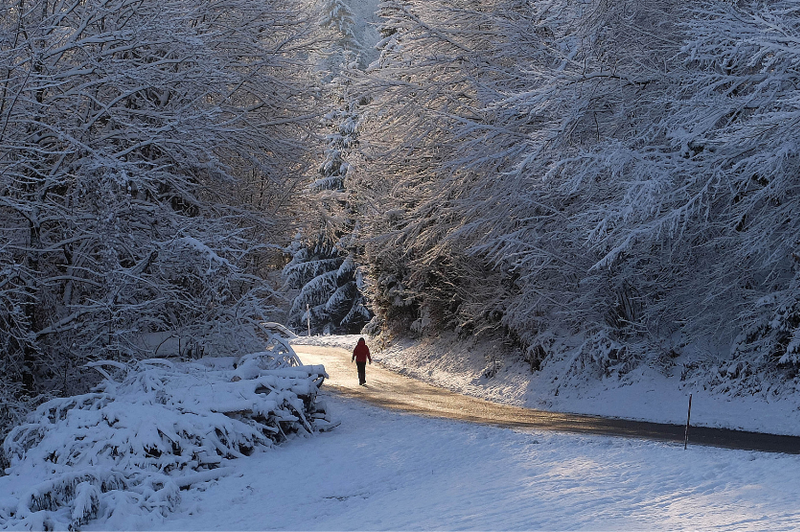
(132, 444)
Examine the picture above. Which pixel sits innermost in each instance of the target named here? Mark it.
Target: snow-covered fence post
(688, 417)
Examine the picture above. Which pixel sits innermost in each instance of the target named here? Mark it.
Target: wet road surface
(388, 389)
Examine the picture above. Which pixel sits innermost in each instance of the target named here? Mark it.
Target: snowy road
(392, 390)
(388, 470)
(385, 469)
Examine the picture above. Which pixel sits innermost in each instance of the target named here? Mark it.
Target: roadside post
(688, 417)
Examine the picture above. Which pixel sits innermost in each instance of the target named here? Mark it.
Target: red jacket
(361, 352)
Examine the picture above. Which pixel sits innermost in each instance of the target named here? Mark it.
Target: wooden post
(308, 318)
(688, 418)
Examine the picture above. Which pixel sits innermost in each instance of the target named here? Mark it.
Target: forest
(613, 182)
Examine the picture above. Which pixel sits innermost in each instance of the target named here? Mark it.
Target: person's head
(361, 341)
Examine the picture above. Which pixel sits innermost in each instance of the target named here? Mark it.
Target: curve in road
(388, 389)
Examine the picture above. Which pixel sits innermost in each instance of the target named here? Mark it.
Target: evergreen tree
(330, 288)
(324, 269)
(337, 16)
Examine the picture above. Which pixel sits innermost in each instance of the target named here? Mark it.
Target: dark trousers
(362, 372)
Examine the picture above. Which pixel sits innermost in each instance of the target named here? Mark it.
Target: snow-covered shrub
(374, 327)
(535, 355)
(132, 444)
(774, 333)
(604, 354)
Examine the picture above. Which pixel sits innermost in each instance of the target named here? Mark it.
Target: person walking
(361, 355)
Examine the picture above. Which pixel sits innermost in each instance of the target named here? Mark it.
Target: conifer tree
(323, 268)
(337, 16)
(329, 283)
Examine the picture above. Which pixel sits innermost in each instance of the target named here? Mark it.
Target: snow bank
(133, 444)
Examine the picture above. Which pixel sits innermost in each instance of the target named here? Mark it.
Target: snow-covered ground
(386, 470)
(383, 470)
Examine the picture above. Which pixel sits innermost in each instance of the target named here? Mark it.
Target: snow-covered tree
(513, 100)
(329, 285)
(427, 84)
(337, 15)
(323, 268)
(146, 154)
(617, 172)
(724, 197)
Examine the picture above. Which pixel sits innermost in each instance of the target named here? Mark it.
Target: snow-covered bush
(149, 430)
(604, 355)
(773, 333)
